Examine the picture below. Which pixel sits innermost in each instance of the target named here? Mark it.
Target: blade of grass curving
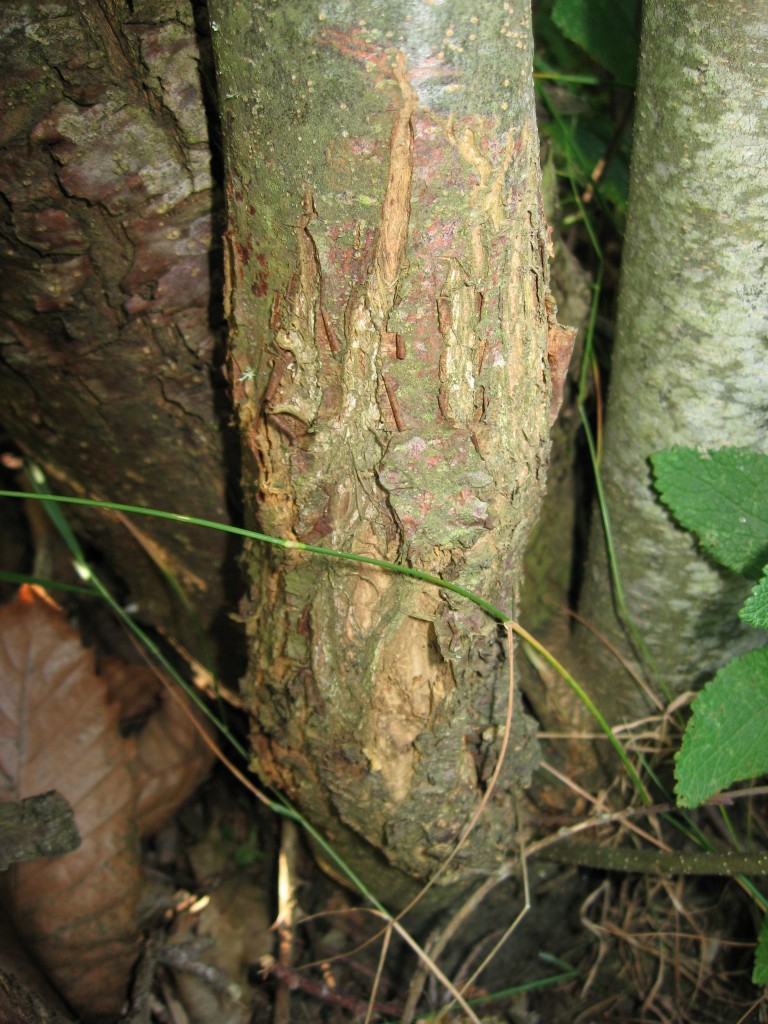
(51, 502)
(40, 581)
(241, 531)
(38, 480)
(295, 545)
(87, 574)
(330, 552)
(155, 553)
(620, 658)
(588, 703)
(281, 805)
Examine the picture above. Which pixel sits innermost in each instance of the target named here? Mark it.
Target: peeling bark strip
(330, 335)
(393, 402)
(396, 210)
(388, 168)
(560, 342)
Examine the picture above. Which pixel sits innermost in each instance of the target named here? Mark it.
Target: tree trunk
(107, 355)
(691, 359)
(393, 344)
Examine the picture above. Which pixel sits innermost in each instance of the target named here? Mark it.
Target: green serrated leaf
(760, 970)
(727, 737)
(722, 497)
(606, 29)
(755, 610)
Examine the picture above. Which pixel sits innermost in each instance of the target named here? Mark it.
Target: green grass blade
(48, 584)
(293, 545)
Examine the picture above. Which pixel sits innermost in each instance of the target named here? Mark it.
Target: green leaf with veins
(727, 737)
(721, 497)
(755, 610)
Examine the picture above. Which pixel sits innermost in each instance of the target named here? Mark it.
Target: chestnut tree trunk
(109, 309)
(394, 348)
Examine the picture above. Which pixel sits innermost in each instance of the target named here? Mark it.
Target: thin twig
(144, 978)
(319, 990)
(286, 912)
(416, 986)
(518, 918)
(377, 980)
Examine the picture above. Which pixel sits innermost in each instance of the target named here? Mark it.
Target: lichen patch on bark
(489, 197)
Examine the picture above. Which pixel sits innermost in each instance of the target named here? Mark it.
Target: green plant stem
(588, 704)
(655, 862)
(585, 854)
(280, 805)
(69, 588)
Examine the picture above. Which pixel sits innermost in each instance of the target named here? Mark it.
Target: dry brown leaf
(58, 731)
(236, 920)
(173, 759)
(133, 686)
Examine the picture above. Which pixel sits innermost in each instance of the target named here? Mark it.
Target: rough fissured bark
(106, 350)
(393, 346)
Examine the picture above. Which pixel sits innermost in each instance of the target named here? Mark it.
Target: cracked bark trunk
(393, 349)
(107, 329)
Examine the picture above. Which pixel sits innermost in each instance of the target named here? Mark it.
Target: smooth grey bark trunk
(691, 356)
(394, 348)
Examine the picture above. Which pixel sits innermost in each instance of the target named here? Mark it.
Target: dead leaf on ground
(227, 935)
(172, 756)
(134, 687)
(57, 731)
